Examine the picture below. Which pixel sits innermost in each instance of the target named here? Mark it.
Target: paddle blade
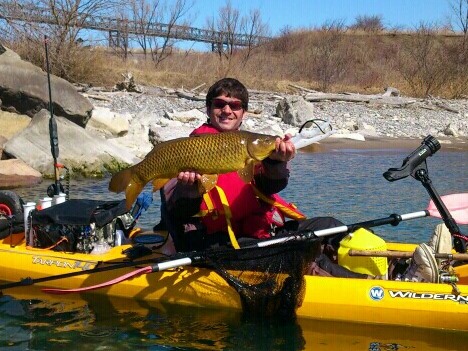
(457, 204)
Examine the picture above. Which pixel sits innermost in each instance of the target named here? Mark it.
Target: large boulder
(108, 123)
(84, 152)
(24, 88)
(295, 110)
(12, 123)
(16, 173)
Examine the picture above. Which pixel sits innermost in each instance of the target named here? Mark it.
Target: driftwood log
(349, 97)
(190, 96)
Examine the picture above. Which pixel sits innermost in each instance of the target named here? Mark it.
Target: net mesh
(269, 280)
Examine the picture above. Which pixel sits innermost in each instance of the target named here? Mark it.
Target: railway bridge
(119, 29)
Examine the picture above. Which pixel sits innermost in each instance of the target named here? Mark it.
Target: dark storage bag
(78, 225)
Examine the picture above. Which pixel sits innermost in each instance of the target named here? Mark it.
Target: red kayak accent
(135, 273)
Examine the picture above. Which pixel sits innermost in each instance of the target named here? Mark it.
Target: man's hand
(284, 150)
(188, 177)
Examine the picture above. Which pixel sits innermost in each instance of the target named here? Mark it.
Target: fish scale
(204, 154)
(200, 154)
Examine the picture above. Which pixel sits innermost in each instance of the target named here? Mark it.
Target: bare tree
(144, 14)
(459, 51)
(65, 19)
(119, 35)
(225, 29)
(422, 61)
(254, 31)
(460, 11)
(368, 23)
(232, 31)
(157, 23)
(329, 55)
(161, 48)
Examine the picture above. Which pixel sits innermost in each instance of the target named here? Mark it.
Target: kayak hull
(326, 298)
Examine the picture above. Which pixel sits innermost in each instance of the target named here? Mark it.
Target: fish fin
(131, 192)
(207, 182)
(159, 183)
(120, 180)
(247, 173)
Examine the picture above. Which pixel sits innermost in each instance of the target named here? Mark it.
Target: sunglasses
(233, 105)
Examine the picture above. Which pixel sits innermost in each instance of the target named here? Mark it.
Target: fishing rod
(56, 188)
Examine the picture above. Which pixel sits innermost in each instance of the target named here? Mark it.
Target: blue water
(346, 184)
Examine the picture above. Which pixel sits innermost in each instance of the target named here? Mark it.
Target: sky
(313, 13)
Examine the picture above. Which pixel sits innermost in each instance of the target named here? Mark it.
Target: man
(226, 103)
(196, 221)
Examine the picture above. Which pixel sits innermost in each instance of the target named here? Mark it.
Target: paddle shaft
(393, 219)
(405, 254)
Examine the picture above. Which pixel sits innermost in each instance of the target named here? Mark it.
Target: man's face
(226, 113)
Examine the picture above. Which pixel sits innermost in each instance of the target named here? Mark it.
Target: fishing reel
(54, 189)
(57, 187)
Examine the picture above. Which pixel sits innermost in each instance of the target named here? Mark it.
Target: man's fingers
(188, 177)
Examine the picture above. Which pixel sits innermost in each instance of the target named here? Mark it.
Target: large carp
(206, 154)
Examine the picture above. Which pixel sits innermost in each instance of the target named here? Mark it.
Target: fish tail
(120, 180)
(124, 180)
(131, 193)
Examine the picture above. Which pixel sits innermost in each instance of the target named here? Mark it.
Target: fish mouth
(261, 148)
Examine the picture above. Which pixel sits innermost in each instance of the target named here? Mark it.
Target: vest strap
(289, 211)
(228, 215)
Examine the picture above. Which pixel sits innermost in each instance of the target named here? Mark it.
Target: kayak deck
(328, 298)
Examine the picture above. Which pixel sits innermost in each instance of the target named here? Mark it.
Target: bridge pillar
(218, 47)
(117, 40)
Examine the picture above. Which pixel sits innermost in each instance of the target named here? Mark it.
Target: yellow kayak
(427, 305)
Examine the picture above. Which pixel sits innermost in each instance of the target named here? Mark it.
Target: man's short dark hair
(229, 87)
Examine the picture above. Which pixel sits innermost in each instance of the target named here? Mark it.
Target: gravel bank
(383, 126)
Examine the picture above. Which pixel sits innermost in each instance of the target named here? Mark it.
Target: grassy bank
(421, 63)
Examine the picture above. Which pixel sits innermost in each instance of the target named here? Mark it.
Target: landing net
(269, 280)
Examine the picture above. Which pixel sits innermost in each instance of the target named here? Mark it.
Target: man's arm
(272, 177)
(182, 199)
